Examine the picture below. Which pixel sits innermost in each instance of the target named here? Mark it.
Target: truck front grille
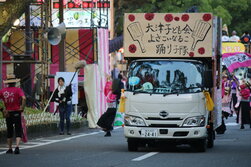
(164, 125)
(161, 119)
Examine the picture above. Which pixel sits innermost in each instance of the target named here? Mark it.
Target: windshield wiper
(137, 92)
(142, 91)
(171, 93)
(193, 87)
(177, 91)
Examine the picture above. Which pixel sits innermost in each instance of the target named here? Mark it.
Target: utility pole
(62, 42)
(113, 55)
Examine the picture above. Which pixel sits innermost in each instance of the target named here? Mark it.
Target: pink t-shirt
(12, 98)
(110, 97)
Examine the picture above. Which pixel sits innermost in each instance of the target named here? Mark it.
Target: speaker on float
(55, 34)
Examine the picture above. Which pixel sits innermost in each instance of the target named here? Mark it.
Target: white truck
(173, 58)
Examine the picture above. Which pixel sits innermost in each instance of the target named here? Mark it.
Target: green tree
(9, 12)
(233, 13)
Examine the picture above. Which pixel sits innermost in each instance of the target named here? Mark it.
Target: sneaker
(17, 150)
(242, 127)
(108, 134)
(68, 133)
(61, 133)
(10, 151)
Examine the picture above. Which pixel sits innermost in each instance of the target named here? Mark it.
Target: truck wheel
(210, 139)
(200, 145)
(210, 136)
(132, 145)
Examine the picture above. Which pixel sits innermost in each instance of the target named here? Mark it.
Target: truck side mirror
(208, 80)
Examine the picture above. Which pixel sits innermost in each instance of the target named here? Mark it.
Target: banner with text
(236, 60)
(168, 34)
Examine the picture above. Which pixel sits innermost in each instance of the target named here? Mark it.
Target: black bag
(116, 86)
(107, 119)
(222, 128)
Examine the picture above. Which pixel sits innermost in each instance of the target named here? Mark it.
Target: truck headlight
(133, 121)
(194, 121)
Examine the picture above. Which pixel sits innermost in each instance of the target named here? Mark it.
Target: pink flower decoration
(77, 2)
(207, 17)
(132, 48)
(185, 17)
(65, 2)
(149, 16)
(191, 54)
(169, 17)
(201, 50)
(131, 17)
(176, 18)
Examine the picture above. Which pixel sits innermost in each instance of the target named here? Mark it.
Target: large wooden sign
(168, 34)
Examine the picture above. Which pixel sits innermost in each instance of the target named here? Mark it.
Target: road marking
(33, 143)
(3, 148)
(48, 140)
(57, 141)
(231, 124)
(226, 140)
(145, 156)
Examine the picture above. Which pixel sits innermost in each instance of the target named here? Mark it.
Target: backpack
(116, 89)
(245, 39)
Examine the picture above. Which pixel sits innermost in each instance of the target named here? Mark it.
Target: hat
(11, 78)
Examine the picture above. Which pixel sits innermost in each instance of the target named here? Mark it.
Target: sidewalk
(47, 130)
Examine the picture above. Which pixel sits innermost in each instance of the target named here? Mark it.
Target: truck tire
(210, 136)
(132, 145)
(200, 145)
(210, 139)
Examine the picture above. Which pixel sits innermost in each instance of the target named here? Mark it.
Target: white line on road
(145, 156)
(48, 140)
(33, 143)
(231, 124)
(56, 141)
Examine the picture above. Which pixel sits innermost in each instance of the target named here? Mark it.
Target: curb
(45, 130)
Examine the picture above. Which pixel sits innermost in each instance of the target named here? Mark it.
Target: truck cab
(165, 100)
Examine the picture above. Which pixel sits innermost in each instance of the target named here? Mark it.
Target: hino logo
(163, 114)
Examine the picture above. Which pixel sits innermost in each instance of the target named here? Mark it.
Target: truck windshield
(164, 77)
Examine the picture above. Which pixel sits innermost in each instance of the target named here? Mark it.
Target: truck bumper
(165, 133)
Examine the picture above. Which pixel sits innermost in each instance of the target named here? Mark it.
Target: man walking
(14, 102)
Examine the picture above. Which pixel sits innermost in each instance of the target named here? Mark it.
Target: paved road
(91, 149)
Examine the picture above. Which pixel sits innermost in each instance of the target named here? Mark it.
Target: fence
(41, 118)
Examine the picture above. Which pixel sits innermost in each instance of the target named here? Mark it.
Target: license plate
(149, 133)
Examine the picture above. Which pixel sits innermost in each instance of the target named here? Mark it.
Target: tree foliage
(233, 13)
(9, 12)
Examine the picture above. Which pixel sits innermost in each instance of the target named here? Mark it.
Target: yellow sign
(231, 47)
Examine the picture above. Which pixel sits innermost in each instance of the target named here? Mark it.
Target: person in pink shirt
(14, 102)
(107, 119)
